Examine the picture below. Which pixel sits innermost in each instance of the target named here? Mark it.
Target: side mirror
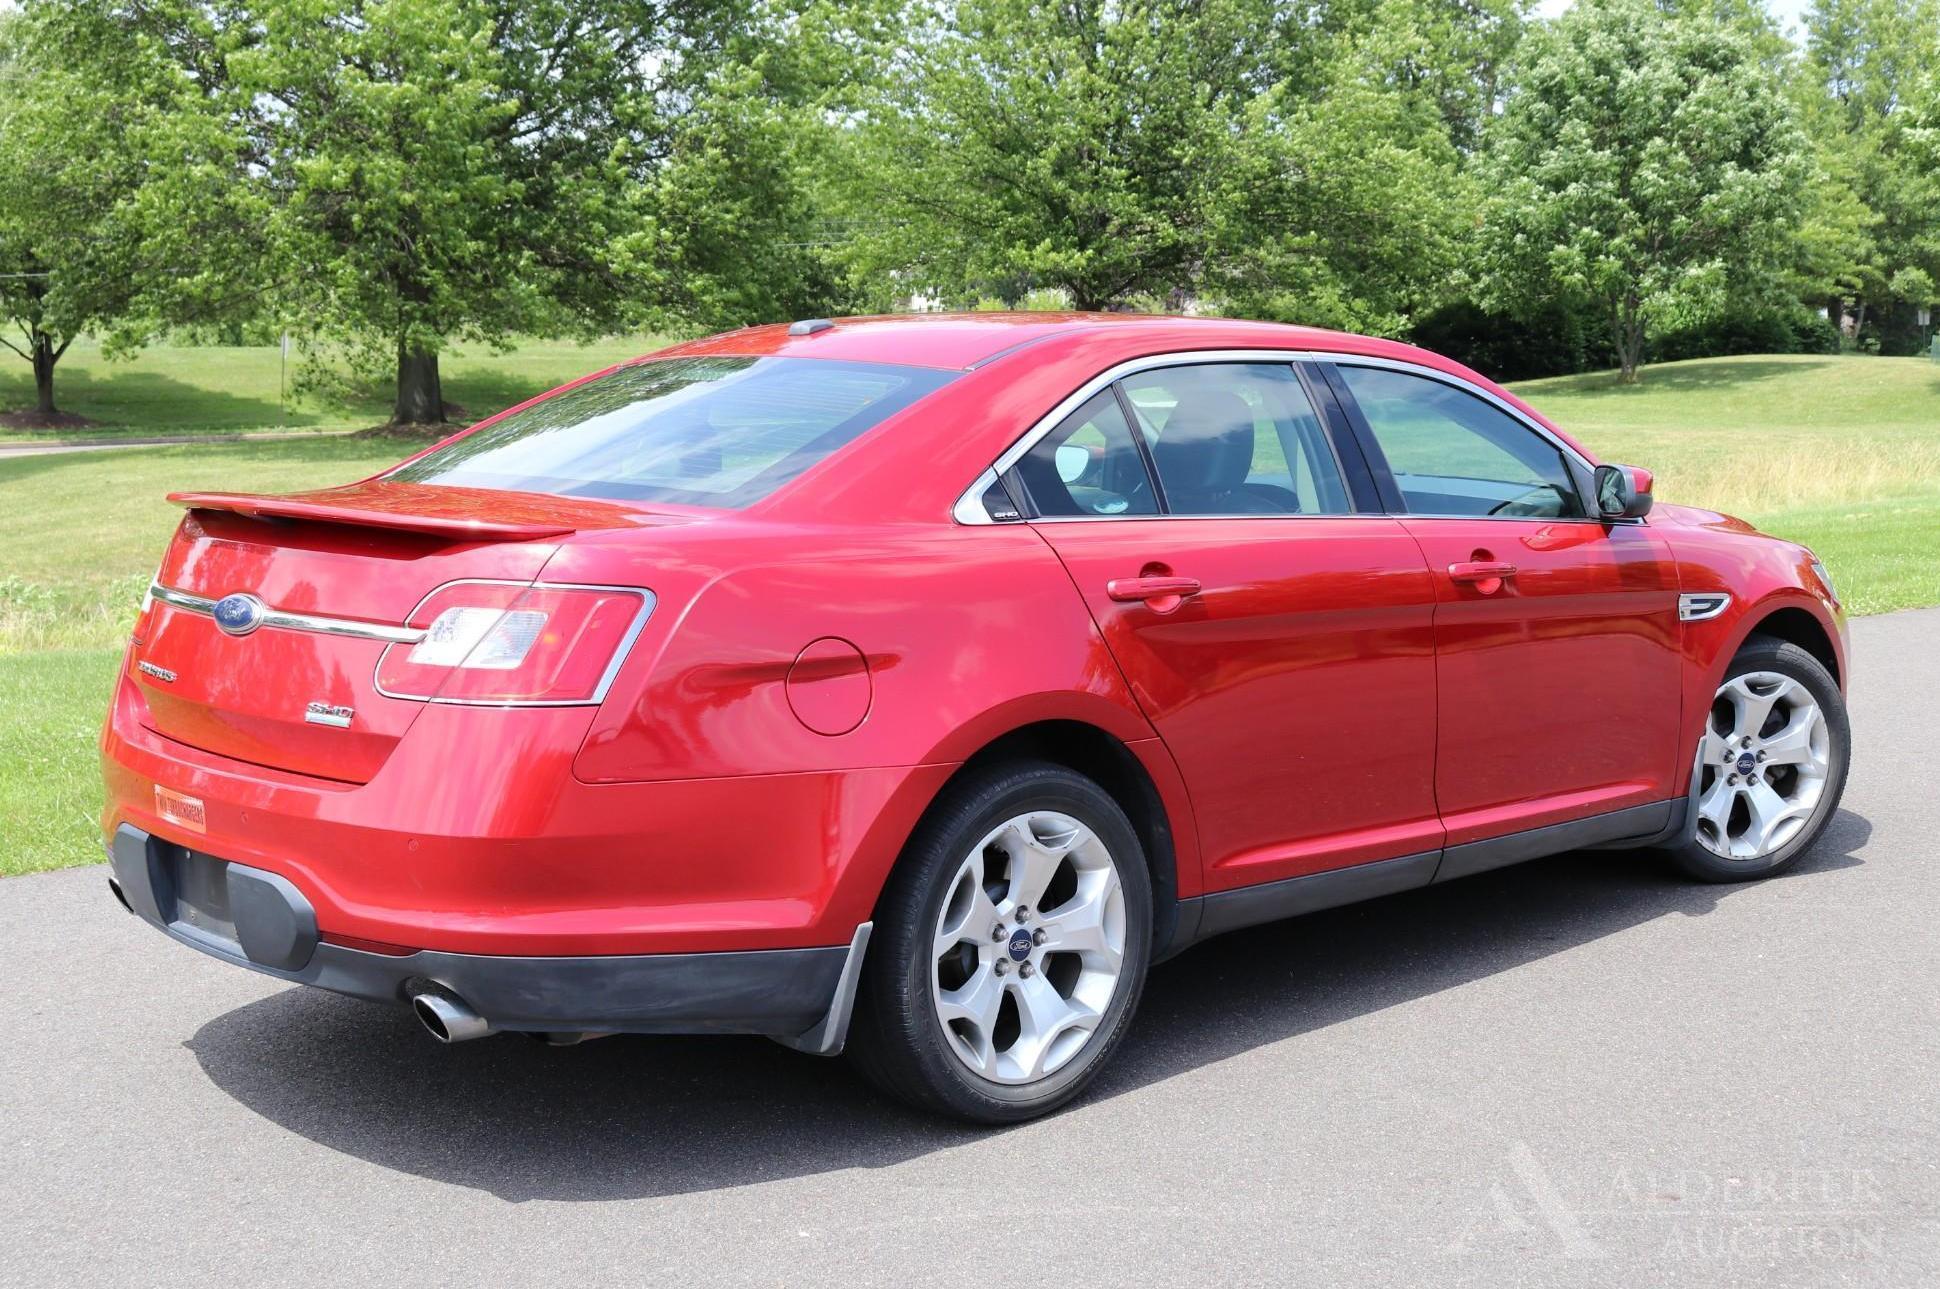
(1623, 491)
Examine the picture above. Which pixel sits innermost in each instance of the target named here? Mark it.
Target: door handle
(1127, 590)
(1480, 570)
(1485, 575)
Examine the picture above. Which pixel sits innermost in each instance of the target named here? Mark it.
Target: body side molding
(1221, 911)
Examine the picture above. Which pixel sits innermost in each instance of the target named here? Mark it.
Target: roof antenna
(809, 326)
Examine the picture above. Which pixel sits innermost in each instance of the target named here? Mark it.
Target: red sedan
(917, 683)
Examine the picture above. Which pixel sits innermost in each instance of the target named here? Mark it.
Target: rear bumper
(474, 839)
(265, 923)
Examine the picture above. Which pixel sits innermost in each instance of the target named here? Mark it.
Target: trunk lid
(359, 559)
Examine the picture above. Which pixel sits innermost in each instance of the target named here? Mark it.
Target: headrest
(1207, 443)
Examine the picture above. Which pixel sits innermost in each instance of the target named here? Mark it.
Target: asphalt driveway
(1576, 1071)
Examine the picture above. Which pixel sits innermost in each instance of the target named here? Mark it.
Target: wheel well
(1107, 762)
(1796, 626)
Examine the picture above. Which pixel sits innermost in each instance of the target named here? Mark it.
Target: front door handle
(1485, 575)
(1153, 590)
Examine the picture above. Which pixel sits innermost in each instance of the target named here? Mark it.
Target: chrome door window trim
(969, 510)
(316, 623)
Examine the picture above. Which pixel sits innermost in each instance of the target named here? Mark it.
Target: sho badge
(325, 714)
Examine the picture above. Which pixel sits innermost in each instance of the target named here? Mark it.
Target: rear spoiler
(317, 509)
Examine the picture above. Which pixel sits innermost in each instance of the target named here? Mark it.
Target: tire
(1740, 833)
(920, 1028)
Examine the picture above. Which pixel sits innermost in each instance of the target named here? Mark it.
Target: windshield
(694, 431)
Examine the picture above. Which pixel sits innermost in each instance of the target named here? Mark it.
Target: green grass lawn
(1841, 453)
(171, 390)
(82, 534)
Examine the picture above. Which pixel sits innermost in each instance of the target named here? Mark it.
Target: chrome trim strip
(315, 623)
(647, 602)
(967, 504)
(1702, 606)
(969, 508)
(181, 599)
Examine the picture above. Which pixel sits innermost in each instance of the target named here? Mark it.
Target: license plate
(181, 808)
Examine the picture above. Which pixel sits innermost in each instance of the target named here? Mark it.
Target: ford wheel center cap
(239, 613)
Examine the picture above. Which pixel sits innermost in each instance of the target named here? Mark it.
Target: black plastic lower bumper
(259, 920)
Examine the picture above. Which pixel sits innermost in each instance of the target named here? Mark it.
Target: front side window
(1236, 439)
(1453, 453)
(1088, 465)
(719, 431)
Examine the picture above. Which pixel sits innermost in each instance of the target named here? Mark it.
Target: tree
(433, 170)
(1449, 55)
(455, 169)
(1077, 145)
(1646, 166)
(1247, 155)
(1344, 209)
(71, 250)
(1866, 62)
(733, 226)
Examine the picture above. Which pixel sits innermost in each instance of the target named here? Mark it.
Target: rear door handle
(1485, 575)
(1128, 590)
(1480, 570)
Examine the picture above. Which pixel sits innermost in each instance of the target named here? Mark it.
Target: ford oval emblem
(239, 613)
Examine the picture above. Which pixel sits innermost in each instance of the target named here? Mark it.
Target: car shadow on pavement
(633, 1117)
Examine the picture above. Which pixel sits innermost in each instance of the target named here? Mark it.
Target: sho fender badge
(325, 714)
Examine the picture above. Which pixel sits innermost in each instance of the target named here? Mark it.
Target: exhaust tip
(447, 1019)
(121, 896)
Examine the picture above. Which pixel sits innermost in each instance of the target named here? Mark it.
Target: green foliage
(1340, 211)
(1647, 165)
(417, 172)
(1759, 329)
(729, 227)
(1867, 67)
(1447, 56)
(386, 179)
(81, 168)
(1079, 145)
(1159, 151)
(1547, 338)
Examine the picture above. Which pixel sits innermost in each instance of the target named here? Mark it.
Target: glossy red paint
(1579, 611)
(1765, 577)
(1304, 665)
(817, 666)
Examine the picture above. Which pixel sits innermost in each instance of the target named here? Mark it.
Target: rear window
(694, 431)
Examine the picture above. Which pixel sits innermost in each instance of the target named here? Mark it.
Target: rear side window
(1236, 439)
(1452, 453)
(693, 431)
(1089, 465)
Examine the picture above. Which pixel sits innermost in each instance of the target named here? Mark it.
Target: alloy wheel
(1763, 765)
(1029, 947)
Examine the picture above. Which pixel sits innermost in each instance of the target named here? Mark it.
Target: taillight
(509, 643)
